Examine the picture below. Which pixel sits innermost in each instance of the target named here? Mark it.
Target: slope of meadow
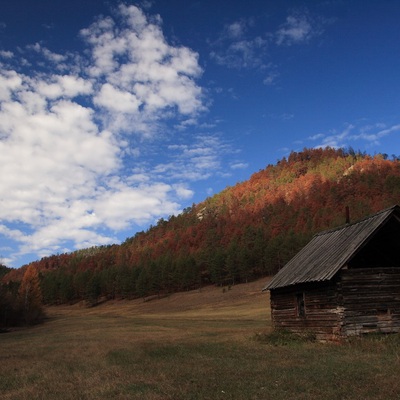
(208, 344)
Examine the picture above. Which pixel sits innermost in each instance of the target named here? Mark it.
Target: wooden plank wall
(322, 314)
(371, 300)
(361, 301)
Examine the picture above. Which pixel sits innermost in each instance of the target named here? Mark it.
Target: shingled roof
(329, 251)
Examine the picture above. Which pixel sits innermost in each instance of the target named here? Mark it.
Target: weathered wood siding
(322, 314)
(359, 301)
(371, 300)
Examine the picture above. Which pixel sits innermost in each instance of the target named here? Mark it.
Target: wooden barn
(344, 282)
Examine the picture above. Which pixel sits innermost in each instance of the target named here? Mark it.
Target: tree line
(21, 302)
(242, 233)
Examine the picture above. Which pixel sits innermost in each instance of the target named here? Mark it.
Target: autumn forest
(245, 232)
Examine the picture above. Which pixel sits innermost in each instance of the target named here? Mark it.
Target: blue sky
(114, 115)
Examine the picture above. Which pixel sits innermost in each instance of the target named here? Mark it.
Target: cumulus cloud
(72, 128)
(141, 75)
(67, 86)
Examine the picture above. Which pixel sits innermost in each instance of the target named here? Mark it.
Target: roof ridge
(338, 228)
(329, 251)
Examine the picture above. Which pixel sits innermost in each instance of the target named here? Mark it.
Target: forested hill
(249, 230)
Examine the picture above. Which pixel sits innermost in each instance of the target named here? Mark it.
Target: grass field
(208, 344)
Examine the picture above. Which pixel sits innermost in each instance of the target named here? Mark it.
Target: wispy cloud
(374, 134)
(239, 165)
(271, 75)
(353, 135)
(197, 161)
(282, 117)
(6, 54)
(298, 28)
(334, 138)
(236, 48)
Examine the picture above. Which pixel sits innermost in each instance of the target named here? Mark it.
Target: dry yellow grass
(193, 345)
(216, 311)
(84, 352)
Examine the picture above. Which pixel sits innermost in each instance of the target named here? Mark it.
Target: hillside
(245, 232)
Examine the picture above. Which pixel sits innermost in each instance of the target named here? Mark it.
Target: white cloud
(72, 132)
(235, 48)
(183, 192)
(116, 100)
(355, 136)
(316, 136)
(9, 82)
(140, 204)
(272, 74)
(298, 28)
(375, 137)
(239, 165)
(140, 69)
(59, 62)
(196, 161)
(68, 86)
(6, 54)
(334, 139)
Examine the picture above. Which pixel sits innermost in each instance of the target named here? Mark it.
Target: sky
(116, 114)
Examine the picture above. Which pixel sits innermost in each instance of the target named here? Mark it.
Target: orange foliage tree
(246, 231)
(30, 296)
